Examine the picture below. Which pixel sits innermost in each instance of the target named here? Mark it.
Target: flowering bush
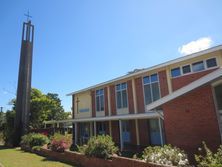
(209, 159)
(99, 146)
(60, 143)
(166, 155)
(34, 139)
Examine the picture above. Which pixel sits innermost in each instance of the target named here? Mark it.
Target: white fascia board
(150, 114)
(202, 81)
(213, 49)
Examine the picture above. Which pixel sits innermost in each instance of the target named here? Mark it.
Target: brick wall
(113, 99)
(73, 106)
(143, 132)
(115, 131)
(163, 83)
(139, 95)
(93, 103)
(130, 97)
(132, 126)
(106, 101)
(181, 81)
(191, 119)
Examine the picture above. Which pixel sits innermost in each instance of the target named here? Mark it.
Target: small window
(175, 72)
(211, 63)
(146, 80)
(154, 78)
(198, 66)
(186, 69)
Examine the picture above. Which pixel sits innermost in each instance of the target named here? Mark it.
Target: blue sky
(79, 43)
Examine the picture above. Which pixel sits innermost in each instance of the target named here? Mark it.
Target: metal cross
(28, 16)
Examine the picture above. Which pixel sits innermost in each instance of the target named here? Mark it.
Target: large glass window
(151, 88)
(211, 62)
(175, 72)
(121, 95)
(100, 100)
(198, 66)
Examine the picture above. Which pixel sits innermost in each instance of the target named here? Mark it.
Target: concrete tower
(24, 82)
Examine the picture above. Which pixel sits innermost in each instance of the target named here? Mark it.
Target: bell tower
(24, 81)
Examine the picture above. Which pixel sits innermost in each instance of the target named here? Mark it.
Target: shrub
(34, 139)
(209, 159)
(60, 143)
(166, 155)
(99, 146)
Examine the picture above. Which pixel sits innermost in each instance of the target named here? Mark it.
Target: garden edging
(75, 158)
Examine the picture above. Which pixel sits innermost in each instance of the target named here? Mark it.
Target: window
(100, 100)
(101, 128)
(175, 72)
(151, 88)
(198, 66)
(211, 63)
(121, 95)
(186, 69)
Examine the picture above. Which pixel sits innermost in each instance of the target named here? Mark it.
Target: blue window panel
(146, 80)
(175, 72)
(211, 63)
(198, 66)
(154, 78)
(123, 86)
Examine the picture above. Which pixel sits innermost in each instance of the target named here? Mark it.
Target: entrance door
(155, 136)
(218, 94)
(125, 132)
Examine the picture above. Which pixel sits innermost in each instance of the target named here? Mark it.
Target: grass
(14, 157)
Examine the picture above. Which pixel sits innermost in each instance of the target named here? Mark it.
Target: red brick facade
(106, 101)
(143, 132)
(163, 83)
(93, 103)
(191, 119)
(139, 95)
(182, 81)
(115, 131)
(113, 99)
(73, 106)
(130, 97)
(132, 124)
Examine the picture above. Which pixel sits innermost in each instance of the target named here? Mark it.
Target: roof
(213, 49)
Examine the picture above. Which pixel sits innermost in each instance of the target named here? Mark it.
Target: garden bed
(79, 159)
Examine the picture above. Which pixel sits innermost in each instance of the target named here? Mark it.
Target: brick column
(130, 97)
(139, 95)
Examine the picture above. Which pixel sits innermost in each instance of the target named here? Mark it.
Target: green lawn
(14, 157)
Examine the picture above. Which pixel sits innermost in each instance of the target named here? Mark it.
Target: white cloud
(196, 46)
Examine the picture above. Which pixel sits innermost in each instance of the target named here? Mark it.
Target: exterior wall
(73, 106)
(130, 97)
(115, 131)
(113, 99)
(163, 83)
(139, 95)
(182, 81)
(191, 119)
(143, 132)
(93, 103)
(132, 125)
(106, 101)
(84, 102)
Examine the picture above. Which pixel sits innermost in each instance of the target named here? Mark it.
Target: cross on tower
(28, 16)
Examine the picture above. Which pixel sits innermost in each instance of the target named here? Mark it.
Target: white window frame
(121, 95)
(191, 67)
(99, 100)
(158, 80)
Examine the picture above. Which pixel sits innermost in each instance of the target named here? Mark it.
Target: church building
(178, 102)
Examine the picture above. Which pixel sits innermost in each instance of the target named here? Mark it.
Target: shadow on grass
(2, 147)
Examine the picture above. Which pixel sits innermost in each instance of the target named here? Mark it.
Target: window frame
(213, 66)
(174, 69)
(151, 89)
(103, 94)
(121, 94)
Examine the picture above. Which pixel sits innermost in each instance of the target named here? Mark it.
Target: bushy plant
(100, 146)
(166, 155)
(34, 139)
(60, 143)
(209, 159)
